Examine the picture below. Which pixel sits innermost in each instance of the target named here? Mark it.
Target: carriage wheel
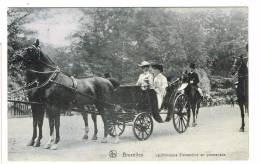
(119, 128)
(180, 114)
(143, 126)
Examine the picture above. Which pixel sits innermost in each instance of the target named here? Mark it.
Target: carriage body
(133, 99)
(138, 108)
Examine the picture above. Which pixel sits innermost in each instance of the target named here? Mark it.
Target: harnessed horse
(58, 91)
(240, 69)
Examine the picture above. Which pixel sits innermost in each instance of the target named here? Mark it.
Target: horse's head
(29, 56)
(239, 62)
(33, 57)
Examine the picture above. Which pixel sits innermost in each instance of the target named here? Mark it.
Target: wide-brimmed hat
(157, 66)
(144, 63)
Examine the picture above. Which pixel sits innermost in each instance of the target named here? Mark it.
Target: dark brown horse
(240, 69)
(58, 91)
(193, 98)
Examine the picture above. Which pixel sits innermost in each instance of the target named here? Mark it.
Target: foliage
(117, 39)
(17, 39)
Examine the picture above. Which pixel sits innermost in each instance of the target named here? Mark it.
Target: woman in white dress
(160, 82)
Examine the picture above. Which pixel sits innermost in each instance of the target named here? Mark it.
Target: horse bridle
(53, 74)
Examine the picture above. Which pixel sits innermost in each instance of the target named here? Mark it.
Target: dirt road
(215, 138)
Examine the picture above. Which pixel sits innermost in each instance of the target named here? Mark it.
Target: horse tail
(114, 82)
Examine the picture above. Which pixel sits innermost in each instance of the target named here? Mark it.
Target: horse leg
(57, 130)
(51, 125)
(242, 128)
(197, 111)
(85, 118)
(193, 108)
(104, 140)
(246, 108)
(40, 124)
(188, 114)
(34, 115)
(117, 135)
(94, 118)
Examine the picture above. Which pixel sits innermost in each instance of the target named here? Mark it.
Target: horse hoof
(47, 146)
(37, 144)
(85, 137)
(54, 147)
(194, 124)
(94, 138)
(241, 130)
(116, 140)
(31, 143)
(104, 140)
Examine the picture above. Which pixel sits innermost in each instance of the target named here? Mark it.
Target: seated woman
(160, 82)
(145, 79)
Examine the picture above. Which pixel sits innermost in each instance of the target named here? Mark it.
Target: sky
(54, 25)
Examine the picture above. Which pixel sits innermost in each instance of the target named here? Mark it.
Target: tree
(17, 39)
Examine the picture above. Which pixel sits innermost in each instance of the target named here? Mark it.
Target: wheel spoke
(185, 118)
(149, 126)
(179, 123)
(177, 117)
(139, 132)
(184, 124)
(147, 134)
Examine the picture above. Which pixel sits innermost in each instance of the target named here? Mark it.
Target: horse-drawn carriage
(128, 105)
(137, 108)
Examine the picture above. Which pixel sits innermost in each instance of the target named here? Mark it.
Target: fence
(17, 108)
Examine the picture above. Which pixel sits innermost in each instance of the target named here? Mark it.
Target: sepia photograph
(127, 83)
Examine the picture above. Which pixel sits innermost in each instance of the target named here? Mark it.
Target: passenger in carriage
(160, 82)
(145, 79)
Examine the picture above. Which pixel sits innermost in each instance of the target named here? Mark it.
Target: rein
(174, 82)
(53, 75)
(47, 72)
(27, 85)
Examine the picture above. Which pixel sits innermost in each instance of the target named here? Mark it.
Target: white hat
(144, 63)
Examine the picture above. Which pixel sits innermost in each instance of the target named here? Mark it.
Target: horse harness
(73, 87)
